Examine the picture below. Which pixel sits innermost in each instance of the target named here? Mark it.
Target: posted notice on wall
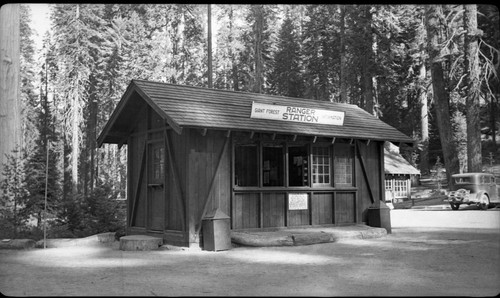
(296, 114)
(297, 201)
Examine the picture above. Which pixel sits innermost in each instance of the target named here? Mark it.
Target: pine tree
(441, 96)
(229, 47)
(37, 174)
(27, 79)
(13, 194)
(286, 78)
(259, 47)
(319, 46)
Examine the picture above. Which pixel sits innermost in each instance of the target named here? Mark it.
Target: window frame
(331, 185)
(329, 148)
(351, 149)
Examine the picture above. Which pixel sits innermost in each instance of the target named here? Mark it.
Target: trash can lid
(216, 214)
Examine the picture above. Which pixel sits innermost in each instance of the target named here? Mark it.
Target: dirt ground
(410, 261)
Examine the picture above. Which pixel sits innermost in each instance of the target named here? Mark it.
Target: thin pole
(45, 206)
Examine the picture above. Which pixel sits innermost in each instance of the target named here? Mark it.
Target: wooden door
(156, 187)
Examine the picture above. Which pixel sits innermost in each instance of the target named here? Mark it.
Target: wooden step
(140, 242)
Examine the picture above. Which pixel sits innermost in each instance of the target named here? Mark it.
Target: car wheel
(454, 206)
(484, 202)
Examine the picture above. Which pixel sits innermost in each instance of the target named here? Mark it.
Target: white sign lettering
(297, 201)
(296, 114)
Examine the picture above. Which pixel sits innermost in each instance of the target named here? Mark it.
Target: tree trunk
(209, 14)
(343, 58)
(367, 62)
(234, 67)
(493, 122)
(474, 159)
(441, 98)
(76, 119)
(258, 31)
(75, 152)
(10, 114)
(424, 122)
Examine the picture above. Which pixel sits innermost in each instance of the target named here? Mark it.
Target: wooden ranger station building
(265, 161)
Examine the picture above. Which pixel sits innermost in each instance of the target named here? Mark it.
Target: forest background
(431, 71)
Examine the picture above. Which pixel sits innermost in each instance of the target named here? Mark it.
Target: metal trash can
(380, 216)
(216, 231)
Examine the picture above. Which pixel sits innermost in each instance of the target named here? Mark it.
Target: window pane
(342, 167)
(246, 161)
(272, 167)
(321, 165)
(298, 169)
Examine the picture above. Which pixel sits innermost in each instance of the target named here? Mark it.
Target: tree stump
(140, 242)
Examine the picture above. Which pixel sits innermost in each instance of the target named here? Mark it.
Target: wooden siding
(176, 181)
(261, 209)
(137, 168)
(273, 210)
(209, 177)
(165, 216)
(372, 158)
(245, 213)
(345, 208)
(322, 208)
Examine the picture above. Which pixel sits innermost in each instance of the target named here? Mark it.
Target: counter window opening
(294, 165)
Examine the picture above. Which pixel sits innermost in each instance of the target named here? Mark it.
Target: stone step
(140, 242)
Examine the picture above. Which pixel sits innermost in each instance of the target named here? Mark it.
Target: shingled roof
(196, 107)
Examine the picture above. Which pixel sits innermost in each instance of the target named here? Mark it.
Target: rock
(87, 241)
(17, 244)
(270, 239)
(140, 242)
(106, 237)
(311, 238)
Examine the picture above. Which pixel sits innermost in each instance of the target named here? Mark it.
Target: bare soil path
(410, 261)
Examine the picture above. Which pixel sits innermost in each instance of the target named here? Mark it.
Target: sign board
(297, 201)
(296, 114)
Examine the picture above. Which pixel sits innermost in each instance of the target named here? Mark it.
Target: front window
(321, 166)
(272, 165)
(298, 168)
(343, 165)
(246, 165)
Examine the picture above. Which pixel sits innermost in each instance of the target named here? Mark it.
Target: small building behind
(400, 175)
(265, 161)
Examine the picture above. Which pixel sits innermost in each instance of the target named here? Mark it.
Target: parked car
(474, 188)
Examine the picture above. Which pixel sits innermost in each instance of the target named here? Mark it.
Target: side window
(246, 165)
(157, 163)
(343, 165)
(321, 171)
